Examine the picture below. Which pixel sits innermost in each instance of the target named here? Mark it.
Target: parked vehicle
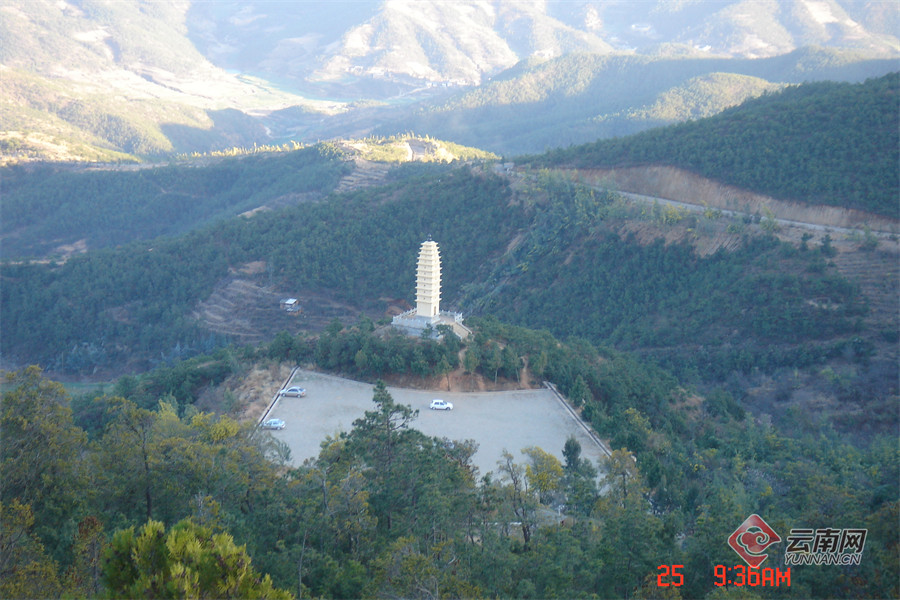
(297, 392)
(438, 404)
(273, 424)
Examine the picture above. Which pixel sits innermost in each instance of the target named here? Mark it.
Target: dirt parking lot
(496, 420)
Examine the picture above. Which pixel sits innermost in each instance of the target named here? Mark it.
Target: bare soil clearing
(365, 174)
(877, 272)
(242, 308)
(682, 186)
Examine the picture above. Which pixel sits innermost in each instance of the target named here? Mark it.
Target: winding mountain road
(739, 214)
(681, 189)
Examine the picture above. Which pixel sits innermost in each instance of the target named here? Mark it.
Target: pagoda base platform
(415, 325)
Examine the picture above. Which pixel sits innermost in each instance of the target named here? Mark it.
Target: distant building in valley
(427, 315)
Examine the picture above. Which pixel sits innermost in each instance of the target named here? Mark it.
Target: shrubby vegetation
(546, 249)
(115, 98)
(822, 143)
(385, 510)
(46, 205)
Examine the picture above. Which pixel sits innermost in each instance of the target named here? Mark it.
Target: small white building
(291, 305)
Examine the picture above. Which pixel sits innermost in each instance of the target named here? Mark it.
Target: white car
(438, 404)
(299, 392)
(273, 424)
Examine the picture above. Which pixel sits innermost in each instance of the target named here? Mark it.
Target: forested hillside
(735, 363)
(119, 304)
(821, 143)
(160, 487)
(547, 253)
(580, 98)
(50, 211)
(387, 511)
(578, 272)
(720, 302)
(46, 207)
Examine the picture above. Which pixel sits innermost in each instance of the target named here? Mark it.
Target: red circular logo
(751, 539)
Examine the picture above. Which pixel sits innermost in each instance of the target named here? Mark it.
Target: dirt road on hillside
(676, 187)
(734, 213)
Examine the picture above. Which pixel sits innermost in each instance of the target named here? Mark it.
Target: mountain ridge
(137, 81)
(372, 40)
(795, 144)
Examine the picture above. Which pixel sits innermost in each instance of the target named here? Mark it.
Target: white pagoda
(427, 312)
(428, 280)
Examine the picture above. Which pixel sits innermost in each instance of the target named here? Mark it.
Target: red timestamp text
(662, 579)
(740, 575)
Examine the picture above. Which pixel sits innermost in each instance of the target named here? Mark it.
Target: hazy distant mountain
(381, 49)
(96, 80)
(113, 80)
(580, 98)
(386, 48)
